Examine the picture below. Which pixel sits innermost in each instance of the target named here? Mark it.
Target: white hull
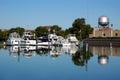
(66, 44)
(28, 42)
(44, 43)
(13, 42)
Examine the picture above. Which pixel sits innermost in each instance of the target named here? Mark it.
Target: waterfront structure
(104, 29)
(105, 32)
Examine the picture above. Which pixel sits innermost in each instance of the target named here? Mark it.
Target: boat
(44, 41)
(72, 39)
(28, 39)
(13, 39)
(55, 40)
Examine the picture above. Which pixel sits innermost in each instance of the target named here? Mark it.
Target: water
(69, 63)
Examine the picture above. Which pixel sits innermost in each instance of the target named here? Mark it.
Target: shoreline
(103, 42)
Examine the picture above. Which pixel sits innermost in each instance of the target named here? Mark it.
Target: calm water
(68, 63)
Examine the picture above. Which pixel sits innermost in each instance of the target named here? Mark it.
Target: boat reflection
(29, 51)
(80, 56)
(14, 50)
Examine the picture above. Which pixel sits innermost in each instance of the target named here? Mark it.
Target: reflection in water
(80, 56)
(103, 59)
(14, 50)
(28, 51)
(43, 50)
(104, 52)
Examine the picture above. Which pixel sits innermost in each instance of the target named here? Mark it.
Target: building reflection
(104, 53)
(80, 56)
(103, 59)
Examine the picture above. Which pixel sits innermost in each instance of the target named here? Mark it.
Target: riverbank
(103, 42)
(2, 43)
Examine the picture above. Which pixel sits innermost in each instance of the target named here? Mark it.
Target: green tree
(55, 29)
(40, 31)
(3, 35)
(19, 30)
(85, 31)
(78, 23)
(80, 28)
(67, 31)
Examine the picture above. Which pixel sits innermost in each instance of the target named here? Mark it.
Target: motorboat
(72, 39)
(13, 39)
(44, 41)
(28, 38)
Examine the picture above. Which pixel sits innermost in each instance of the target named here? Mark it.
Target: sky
(30, 14)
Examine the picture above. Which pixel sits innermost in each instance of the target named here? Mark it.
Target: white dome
(103, 21)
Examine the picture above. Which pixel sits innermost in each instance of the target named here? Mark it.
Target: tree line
(79, 28)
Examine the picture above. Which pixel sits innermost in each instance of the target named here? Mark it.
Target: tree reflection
(42, 51)
(81, 57)
(2, 46)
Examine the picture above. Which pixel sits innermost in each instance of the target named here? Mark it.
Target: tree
(3, 35)
(55, 29)
(86, 30)
(19, 30)
(80, 28)
(39, 31)
(78, 23)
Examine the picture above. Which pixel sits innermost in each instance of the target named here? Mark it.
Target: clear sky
(30, 14)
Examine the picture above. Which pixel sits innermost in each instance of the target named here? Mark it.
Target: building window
(104, 34)
(116, 34)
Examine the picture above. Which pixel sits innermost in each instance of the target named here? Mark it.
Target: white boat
(43, 41)
(66, 44)
(28, 38)
(13, 39)
(55, 40)
(72, 39)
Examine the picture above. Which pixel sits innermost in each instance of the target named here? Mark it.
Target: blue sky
(30, 14)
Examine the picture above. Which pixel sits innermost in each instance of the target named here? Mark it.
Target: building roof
(106, 28)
